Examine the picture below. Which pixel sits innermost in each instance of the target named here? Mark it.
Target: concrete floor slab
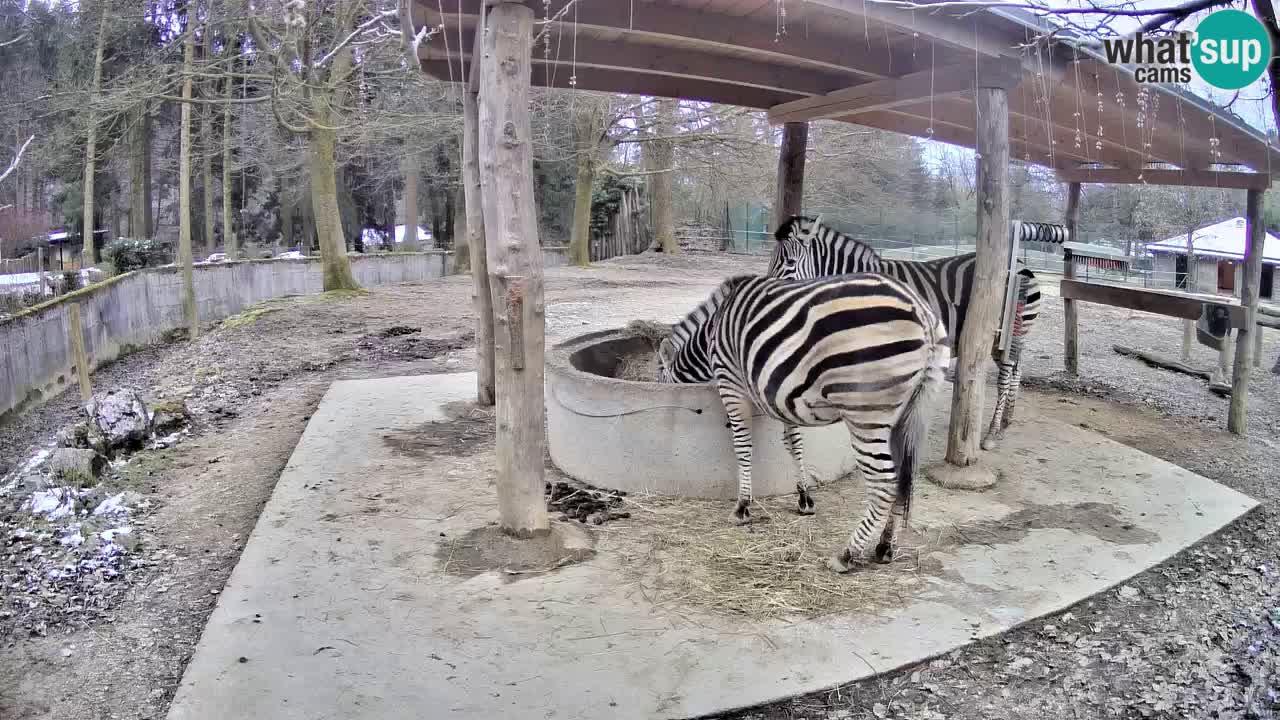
(339, 607)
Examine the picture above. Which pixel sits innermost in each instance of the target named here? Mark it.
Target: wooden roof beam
(935, 24)
(696, 30)
(624, 56)
(961, 135)
(1224, 179)
(895, 92)
(556, 75)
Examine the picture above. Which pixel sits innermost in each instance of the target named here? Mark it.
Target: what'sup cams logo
(1229, 49)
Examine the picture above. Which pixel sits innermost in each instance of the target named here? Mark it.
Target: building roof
(906, 69)
(1222, 240)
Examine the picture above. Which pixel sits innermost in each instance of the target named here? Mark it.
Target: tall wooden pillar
(990, 274)
(790, 195)
(1071, 337)
(1250, 285)
(515, 265)
(482, 300)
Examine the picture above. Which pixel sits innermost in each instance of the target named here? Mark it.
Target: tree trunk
(286, 216)
(229, 244)
(411, 207)
(324, 205)
(662, 158)
(580, 235)
(91, 145)
(437, 218)
(206, 148)
(990, 276)
(446, 238)
(791, 159)
(461, 248)
(515, 268)
(184, 194)
(1189, 326)
(140, 175)
(482, 297)
(1070, 311)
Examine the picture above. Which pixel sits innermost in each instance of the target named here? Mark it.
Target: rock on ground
(120, 419)
(76, 464)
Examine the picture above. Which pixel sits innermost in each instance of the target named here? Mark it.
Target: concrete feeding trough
(668, 439)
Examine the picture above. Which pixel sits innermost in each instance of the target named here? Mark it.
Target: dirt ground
(1196, 638)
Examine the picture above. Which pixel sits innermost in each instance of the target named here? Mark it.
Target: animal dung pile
(585, 503)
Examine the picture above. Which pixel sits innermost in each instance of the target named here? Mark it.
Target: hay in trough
(643, 365)
(652, 331)
(639, 366)
(683, 552)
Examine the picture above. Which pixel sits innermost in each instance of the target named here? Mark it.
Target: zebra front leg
(804, 486)
(738, 410)
(879, 476)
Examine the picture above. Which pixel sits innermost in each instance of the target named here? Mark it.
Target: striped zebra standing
(865, 350)
(808, 249)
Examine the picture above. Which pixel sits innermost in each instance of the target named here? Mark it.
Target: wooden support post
(75, 332)
(990, 275)
(514, 265)
(1257, 345)
(1250, 284)
(482, 300)
(1070, 312)
(40, 269)
(790, 195)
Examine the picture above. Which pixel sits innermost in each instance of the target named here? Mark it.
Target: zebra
(863, 349)
(807, 249)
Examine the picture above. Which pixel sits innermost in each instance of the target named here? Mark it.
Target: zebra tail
(908, 437)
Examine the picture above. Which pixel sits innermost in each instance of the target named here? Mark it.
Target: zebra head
(685, 356)
(793, 256)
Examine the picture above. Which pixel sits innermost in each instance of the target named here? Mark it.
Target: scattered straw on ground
(686, 552)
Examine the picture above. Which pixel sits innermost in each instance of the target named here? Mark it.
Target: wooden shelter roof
(857, 61)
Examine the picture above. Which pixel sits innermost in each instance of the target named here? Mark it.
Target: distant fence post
(40, 269)
(75, 327)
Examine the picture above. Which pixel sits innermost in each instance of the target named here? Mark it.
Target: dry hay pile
(643, 366)
(686, 552)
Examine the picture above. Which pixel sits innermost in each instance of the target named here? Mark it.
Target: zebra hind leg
(996, 430)
(804, 486)
(738, 411)
(1015, 385)
(888, 544)
(879, 476)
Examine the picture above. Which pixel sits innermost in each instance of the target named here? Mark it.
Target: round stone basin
(667, 439)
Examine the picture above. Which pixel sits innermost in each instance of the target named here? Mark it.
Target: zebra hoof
(842, 562)
(741, 513)
(804, 503)
(884, 553)
(991, 441)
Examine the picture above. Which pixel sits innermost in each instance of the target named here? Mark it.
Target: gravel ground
(1196, 638)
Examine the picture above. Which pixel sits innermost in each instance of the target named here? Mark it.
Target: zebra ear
(813, 227)
(667, 352)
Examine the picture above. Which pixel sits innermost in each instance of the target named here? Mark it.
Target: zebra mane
(695, 320)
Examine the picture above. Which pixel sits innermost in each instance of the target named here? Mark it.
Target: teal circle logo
(1232, 49)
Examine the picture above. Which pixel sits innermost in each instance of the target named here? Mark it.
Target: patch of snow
(71, 537)
(54, 504)
(32, 463)
(111, 534)
(113, 505)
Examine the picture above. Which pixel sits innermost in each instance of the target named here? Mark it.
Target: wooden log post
(990, 275)
(1250, 284)
(514, 266)
(1070, 311)
(40, 269)
(481, 297)
(75, 333)
(1257, 345)
(790, 193)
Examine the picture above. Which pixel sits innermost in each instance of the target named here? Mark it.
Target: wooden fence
(629, 230)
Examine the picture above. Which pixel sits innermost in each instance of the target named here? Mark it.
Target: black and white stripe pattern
(865, 350)
(808, 249)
